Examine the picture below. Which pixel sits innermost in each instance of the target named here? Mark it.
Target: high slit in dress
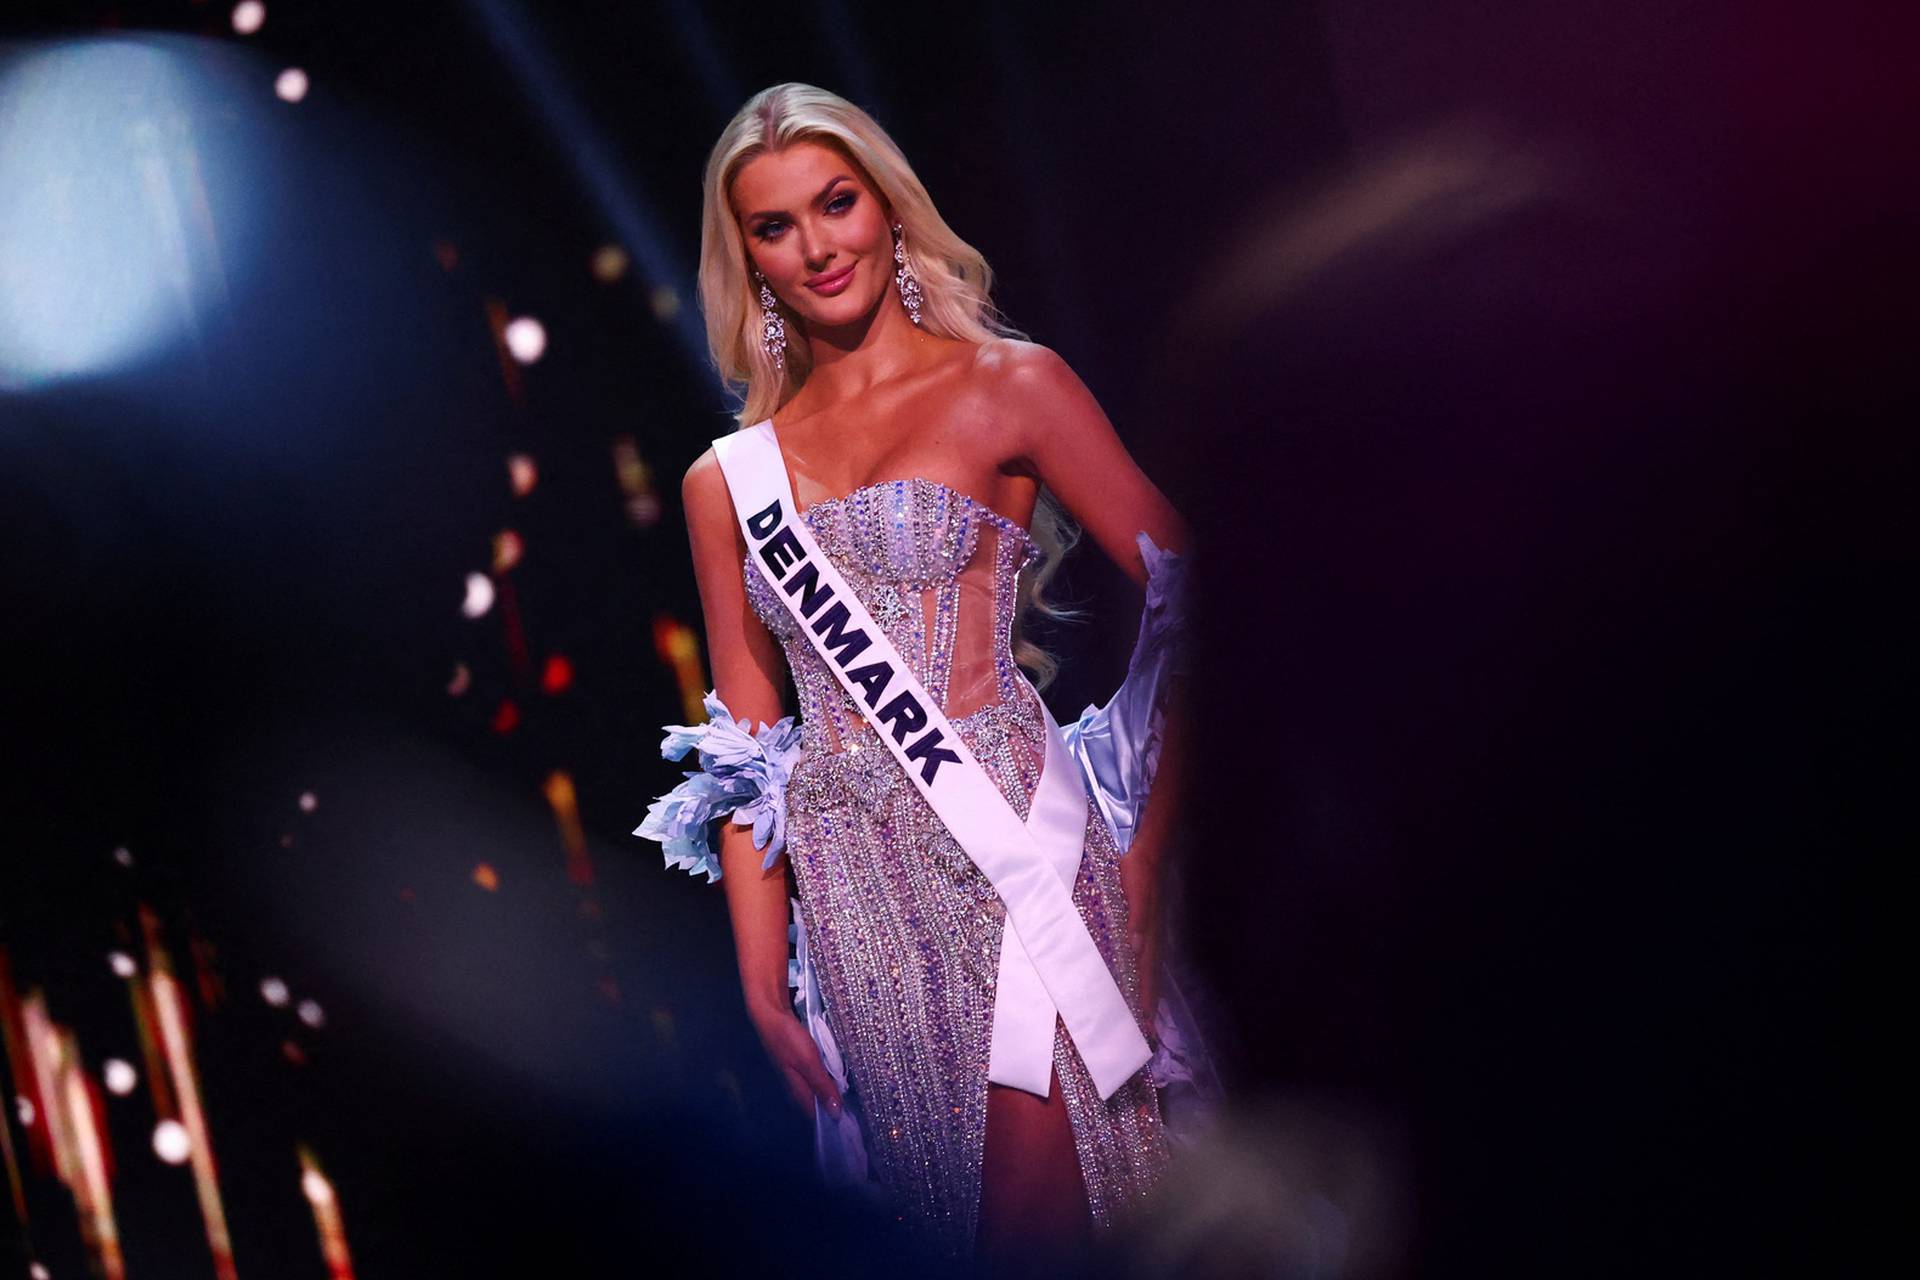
(899, 931)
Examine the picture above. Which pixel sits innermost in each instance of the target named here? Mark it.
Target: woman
(925, 452)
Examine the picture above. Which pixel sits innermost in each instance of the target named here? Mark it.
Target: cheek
(879, 235)
(780, 263)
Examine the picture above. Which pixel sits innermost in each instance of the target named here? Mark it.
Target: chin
(845, 308)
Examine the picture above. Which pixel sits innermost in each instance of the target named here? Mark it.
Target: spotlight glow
(123, 210)
(311, 1014)
(273, 991)
(290, 85)
(123, 965)
(248, 16)
(119, 1075)
(308, 802)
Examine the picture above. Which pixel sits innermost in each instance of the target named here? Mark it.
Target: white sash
(1048, 961)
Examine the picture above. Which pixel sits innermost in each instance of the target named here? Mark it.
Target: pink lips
(832, 284)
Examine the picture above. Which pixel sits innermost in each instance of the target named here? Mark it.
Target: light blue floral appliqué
(742, 774)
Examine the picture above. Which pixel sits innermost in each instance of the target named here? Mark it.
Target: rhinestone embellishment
(903, 929)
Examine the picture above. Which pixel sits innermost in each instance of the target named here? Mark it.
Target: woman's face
(816, 230)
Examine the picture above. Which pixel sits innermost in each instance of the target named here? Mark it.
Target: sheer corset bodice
(897, 932)
(939, 571)
(901, 929)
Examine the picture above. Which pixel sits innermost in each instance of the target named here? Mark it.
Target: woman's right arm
(748, 675)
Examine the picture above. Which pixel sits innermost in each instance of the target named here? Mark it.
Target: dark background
(1534, 375)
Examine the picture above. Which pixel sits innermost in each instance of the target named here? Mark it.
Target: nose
(814, 249)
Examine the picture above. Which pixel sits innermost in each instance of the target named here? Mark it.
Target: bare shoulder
(703, 479)
(1016, 366)
(705, 499)
(1033, 396)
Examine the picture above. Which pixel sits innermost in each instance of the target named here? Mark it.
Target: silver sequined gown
(903, 929)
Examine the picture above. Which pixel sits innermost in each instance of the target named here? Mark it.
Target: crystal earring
(773, 326)
(904, 279)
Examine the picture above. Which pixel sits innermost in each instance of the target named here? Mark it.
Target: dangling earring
(904, 280)
(773, 326)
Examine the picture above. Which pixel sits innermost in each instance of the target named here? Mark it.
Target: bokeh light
(119, 1076)
(171, 1143)
(526, 339)
(479, 597)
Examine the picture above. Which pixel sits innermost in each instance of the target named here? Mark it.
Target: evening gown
(898, 931)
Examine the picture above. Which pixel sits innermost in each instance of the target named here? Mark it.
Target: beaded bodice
(939, 571)
(901, 931)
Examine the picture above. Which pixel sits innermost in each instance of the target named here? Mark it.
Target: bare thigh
(1033, 1198)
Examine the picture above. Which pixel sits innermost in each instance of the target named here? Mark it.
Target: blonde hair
(956, 286)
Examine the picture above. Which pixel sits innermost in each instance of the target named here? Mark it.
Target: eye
(839, 204)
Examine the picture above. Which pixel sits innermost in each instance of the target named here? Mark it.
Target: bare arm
(1058, 429)
(1053, 424)
(747, 675)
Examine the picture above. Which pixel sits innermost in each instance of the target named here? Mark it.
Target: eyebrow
(774, 213)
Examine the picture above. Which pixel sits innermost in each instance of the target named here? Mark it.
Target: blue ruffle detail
(1118, 744)
(1164, 623)
(741, 774)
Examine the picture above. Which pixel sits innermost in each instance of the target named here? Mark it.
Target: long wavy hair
(956, 287)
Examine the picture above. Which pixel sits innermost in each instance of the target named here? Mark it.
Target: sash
(1049, 963)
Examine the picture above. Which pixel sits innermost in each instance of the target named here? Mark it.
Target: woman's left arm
(1053, 423)
(1059, 430)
